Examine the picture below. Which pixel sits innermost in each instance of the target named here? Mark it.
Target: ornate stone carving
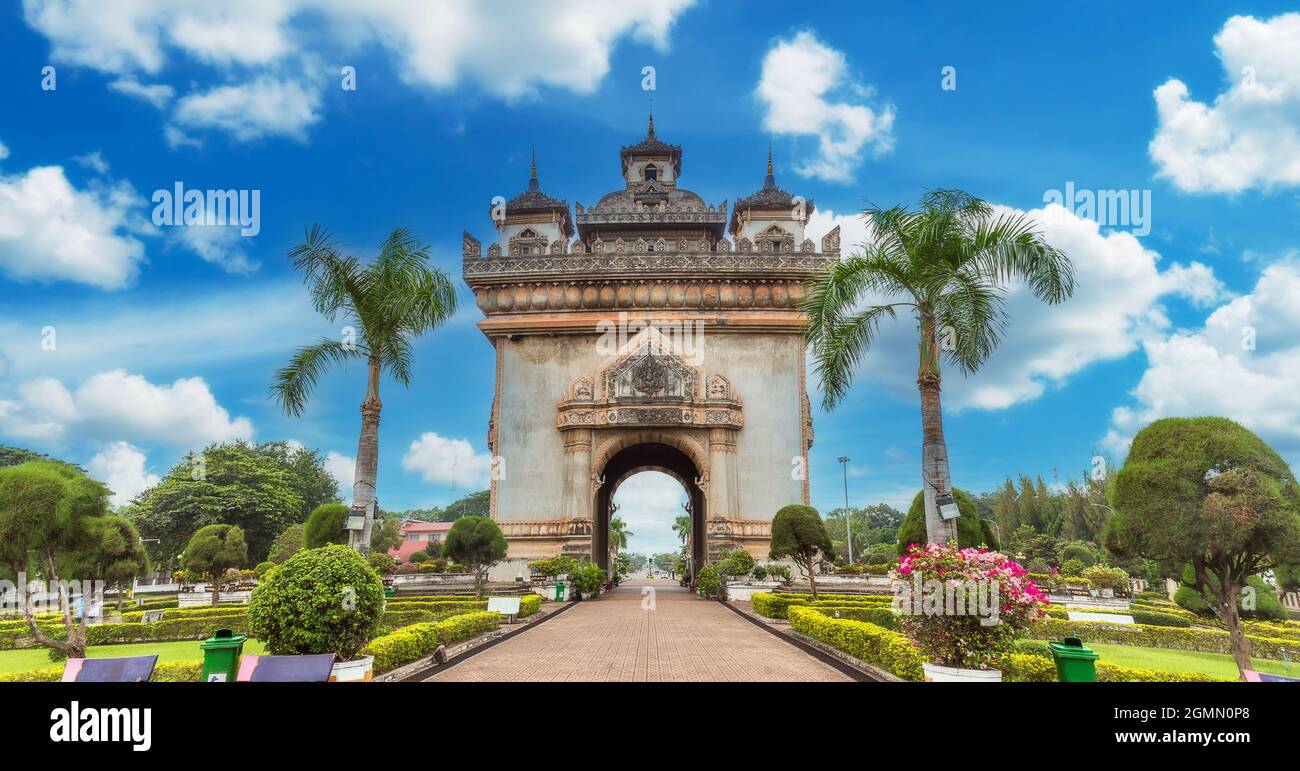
(470, 247)
(831, 242)
(581, 389)
(719, 387)
(494, 251)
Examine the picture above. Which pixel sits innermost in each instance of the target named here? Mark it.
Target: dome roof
(769, 196)
(532, 200)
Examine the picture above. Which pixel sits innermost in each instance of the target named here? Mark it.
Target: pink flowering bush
(964, 607)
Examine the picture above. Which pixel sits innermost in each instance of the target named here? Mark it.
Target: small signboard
(1109, 618)
(151, 616)
(506, 606)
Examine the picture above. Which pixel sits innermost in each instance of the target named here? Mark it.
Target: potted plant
(326, 600)
(963, 609)
(587, 579)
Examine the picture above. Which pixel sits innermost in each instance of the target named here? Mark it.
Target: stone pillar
(577, 475)
(723, 490)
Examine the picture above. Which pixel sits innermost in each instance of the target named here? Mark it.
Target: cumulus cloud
(51, 230)
(447, 461)
(805, 89)
(1250, 136)
(156, 94)
(121, 466)
(343, 469)
(221, 245)
(506, 48)
(1117, 303)
(115, 403)
(250, 111)
(1244, 364)
(4, 151)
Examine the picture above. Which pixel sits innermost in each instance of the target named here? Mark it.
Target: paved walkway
(622, 637)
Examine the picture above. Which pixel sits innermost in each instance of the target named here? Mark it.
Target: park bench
(128, 669)
(254, 668)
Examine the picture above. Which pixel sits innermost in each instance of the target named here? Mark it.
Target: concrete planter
(360, 670)
(937, 674)
(742, 591)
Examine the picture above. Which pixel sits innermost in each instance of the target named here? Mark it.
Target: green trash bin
(221, 654)
(1075, 662)
(559, 591)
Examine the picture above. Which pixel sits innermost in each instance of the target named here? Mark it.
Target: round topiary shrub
(420, 556)
(325, 600)
(326, 525)
(263, 568)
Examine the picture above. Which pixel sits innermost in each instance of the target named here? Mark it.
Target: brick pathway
(684, 638)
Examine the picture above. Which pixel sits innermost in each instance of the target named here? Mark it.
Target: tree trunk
(478, 584)
(367, 468)
(75, 644)
(935, 476)
(1236, 634)
(812, 579)
(216, 588)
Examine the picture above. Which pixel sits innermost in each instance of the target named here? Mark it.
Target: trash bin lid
(1072, 648)
(224, 638)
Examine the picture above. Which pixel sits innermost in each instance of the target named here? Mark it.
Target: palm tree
(682, 527)
(618, 534)
(386, 304)
(947, 263)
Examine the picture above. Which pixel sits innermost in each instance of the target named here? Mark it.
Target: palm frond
(295, 382)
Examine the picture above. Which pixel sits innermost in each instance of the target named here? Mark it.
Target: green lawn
(185, 650)
(1215, 664)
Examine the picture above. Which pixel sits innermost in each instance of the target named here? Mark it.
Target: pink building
(418, 535)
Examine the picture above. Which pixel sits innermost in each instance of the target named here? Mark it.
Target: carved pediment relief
(649, 385)
(649, 372)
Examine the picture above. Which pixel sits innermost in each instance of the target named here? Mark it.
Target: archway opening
(630, 462)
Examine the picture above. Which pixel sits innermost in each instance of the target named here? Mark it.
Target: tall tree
(682, 527)
(948, 264)
(386, 304)
(618, 535)
(1208, 493)
(49, 512)
(307, 474)
(230, 484)
(1006, 508)
(477, 504)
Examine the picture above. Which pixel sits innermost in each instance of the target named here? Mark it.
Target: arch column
(577, 474)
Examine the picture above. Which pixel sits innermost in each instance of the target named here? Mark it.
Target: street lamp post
(848, 516)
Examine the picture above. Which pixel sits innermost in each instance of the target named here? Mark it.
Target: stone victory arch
(664, 336)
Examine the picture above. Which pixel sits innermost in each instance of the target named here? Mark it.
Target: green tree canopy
(799, 534)
(476, 504)
(231, 484)
(49, 512)
(286, 544)
(476, 542)
(971, 530)
(213, 550)
(386, 535)
(326, 525)
(1208, 493)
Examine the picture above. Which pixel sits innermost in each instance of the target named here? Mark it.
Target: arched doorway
(649, 456)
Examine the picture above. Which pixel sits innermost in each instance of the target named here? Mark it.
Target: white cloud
(853, 229)
(93, 161)
(1211, 371)
(1119, 286)
(801, 81)
(52, 231)
(261, 108)
(221, 245)
(114, 404)
(4, 151)
(507, 48)
(1250, 136)
(343, 469)
(447, 461)
(121, 466)
(156, 94)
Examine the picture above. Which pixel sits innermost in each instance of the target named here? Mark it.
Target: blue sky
(166, 338)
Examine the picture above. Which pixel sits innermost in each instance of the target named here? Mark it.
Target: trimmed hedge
(884, 617)
(1147, 617)
(164, 672)
(873, 644)
(1202, 640)
(175, 614)
(419, 640)
(777, 605)
(529, 605)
